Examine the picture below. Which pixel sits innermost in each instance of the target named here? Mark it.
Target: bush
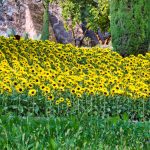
(130, 26)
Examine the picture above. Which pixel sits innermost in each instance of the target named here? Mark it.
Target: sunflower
(61, 99)
(15, 83)
(32, 92)
(37, 81)
(24, 82)
(68, 104)
(62, 89)
(59, 81)
(78, 88)
(54, 86)
(50, 97)
(79, 95)
(73, 91)
(57, 102)
(30, 85)
(46, 90)
(19, 89)
(42, 87)
(8, 89)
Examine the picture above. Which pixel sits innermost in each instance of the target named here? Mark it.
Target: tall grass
(92, 133)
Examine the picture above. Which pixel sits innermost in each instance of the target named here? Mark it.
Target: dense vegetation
(130, 27)
(84, 133)
(129, 22)
(87, 92)
(58, 97)
(94, 13)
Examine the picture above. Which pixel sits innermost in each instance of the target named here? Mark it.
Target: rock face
(10, 17)
(56, 21)
(26, 16)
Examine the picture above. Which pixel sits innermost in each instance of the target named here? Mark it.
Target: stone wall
(11, 18)
(25, 16)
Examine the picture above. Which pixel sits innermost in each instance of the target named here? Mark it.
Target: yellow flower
(106, 93)
(37, 81)
(19, 89)
(30, 85)
(69, 104)
(73, 91)
(15, 83)
(32, 92)
(57, 102)
(61, 99)
(54, 85)
(8, 89)
(46, 90)
(42, 87)
(78, 95)
(50, 97)
(62, 89)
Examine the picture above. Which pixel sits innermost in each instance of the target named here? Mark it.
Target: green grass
(73, 132)
(93, 122)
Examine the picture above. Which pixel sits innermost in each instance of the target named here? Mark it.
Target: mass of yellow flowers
(29, 65)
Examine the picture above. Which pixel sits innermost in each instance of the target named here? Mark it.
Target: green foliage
(95, 13)
(99, 16)
(75, 132)
(130, 26)
(87, 105)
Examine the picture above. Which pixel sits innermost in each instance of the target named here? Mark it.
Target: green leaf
(53, 144)
(125, 117)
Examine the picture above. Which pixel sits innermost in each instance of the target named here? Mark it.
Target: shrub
(130, 26)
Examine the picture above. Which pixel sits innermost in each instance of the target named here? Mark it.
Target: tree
(92, 14)
(130, 26)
